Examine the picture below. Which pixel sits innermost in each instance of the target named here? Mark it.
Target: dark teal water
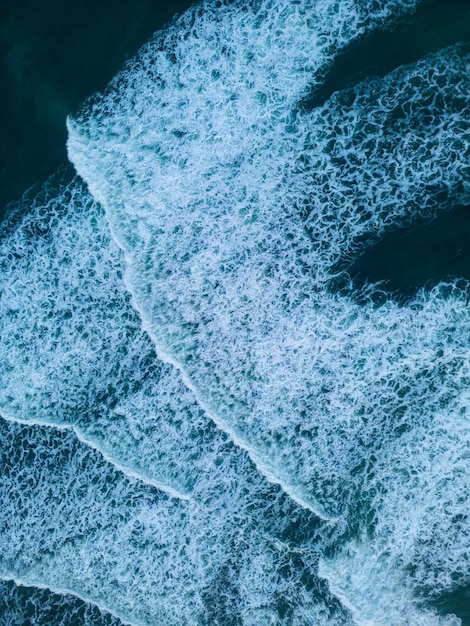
(53, 54)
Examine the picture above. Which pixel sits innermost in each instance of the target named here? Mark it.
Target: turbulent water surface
(235, 330)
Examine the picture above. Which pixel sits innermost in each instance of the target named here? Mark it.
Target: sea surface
(234, 313)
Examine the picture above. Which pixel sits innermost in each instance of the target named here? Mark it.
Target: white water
(71, 522)
(45, 607)
(199, 550)
(233, 205)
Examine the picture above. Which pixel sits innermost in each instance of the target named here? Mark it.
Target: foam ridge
(84, 361)
(146, 557)
(230, 209)
(21, 604)
(208, 180)
(234, 206)
(73, 354)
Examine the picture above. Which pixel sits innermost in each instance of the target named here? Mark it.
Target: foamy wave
(71, 522)
(86, 398)
(23, 604)
(73, 351)
(234, 206)
(198, 150)
(375, 591)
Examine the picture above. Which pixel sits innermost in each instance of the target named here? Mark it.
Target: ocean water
(234, 330)
(52, 56)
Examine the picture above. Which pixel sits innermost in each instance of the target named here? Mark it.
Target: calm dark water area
(53, 54)
(421, 256)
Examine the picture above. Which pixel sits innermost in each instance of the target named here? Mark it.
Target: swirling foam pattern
(73, 523)
(75, 353)
(198, 147)
(144, 484)
(290, 433)
(30, 606)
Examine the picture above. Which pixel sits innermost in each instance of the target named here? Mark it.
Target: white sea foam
(22, 604)
(70, 521)
(66, 380)
(129, 473)
(233, 207)
(73, 352)
(195, 157)
(147, 558)
(375, 591)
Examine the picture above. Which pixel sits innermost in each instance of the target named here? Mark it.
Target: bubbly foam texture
(86, 364)
(375, 591)
(148, 558)
(204, 195)
(234, 206)
(24, 605)
(70, 521)
(73, 351)
(385, 153)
